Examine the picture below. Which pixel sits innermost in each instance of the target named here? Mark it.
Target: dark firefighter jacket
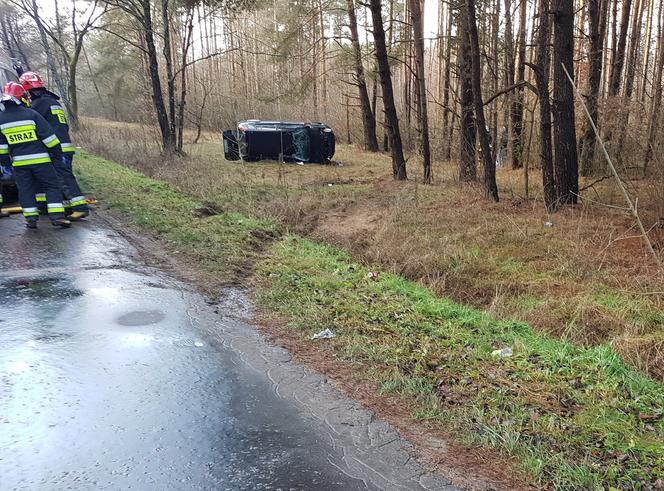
(26, 138)
(47, 104)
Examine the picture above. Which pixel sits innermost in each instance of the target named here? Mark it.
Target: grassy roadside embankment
(575, 417)
(587, 279)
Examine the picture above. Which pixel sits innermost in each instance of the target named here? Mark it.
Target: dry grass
(586, 279)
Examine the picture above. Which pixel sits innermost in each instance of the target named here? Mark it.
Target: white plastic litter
(326, 334)
(503, 353)
(548, 224)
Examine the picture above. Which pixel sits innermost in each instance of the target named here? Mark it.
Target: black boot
(31, 224)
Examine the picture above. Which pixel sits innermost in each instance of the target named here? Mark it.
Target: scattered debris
(326, 334)
(198, 344)
(373, 275)
(548, 224)
(503, 353)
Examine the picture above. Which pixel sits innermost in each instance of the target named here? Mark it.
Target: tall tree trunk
(542, 80)
(170, 79)
(517, 102)
(495, 76)
(597, 24)
(155, 81)
(323, 56)
(72, 86)
(447, 147)
(490, 186)
(632, 60)
(418, 38)
(619, 58)
(655, 115)
(368, 119)
(407, 69)
(467, 161)
(613, 37)
(564, 136)
(189, 28)
(508, 69)
(391, 119)
(646, 50)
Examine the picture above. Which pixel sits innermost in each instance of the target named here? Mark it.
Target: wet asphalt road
(115, 376)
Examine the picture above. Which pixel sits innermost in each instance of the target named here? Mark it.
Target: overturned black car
(278, 140)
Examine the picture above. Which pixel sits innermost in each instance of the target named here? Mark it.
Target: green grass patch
(224, 243)
(636, 310)
(577, 418)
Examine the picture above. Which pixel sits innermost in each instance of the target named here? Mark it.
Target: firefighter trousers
(30, 179)
(74, 198)
(72, 190)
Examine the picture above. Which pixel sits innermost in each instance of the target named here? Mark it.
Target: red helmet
(15, 92)
(31, 80)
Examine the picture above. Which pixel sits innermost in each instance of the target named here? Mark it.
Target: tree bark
(542, 81)
(155, 81)
(632, 60)
(490, 186)
(418, 38)
(391, 119)
(189, 28)
(509, 65)
(368, 119)
(517, 102)
(170, 79)
(657, 98)
(447, 148)
(564, 136)
(646, 51)
(467, 161)
(619, 58)
(597, 24)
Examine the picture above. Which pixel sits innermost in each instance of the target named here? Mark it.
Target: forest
(504, 154)
(491, 75)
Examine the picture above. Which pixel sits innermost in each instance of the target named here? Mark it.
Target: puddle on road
(141, 318)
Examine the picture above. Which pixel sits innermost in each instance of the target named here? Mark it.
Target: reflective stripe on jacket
(25, 137)
(47, 104)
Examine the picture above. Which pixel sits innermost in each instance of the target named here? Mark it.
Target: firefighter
(28, 143)
(47, 104)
